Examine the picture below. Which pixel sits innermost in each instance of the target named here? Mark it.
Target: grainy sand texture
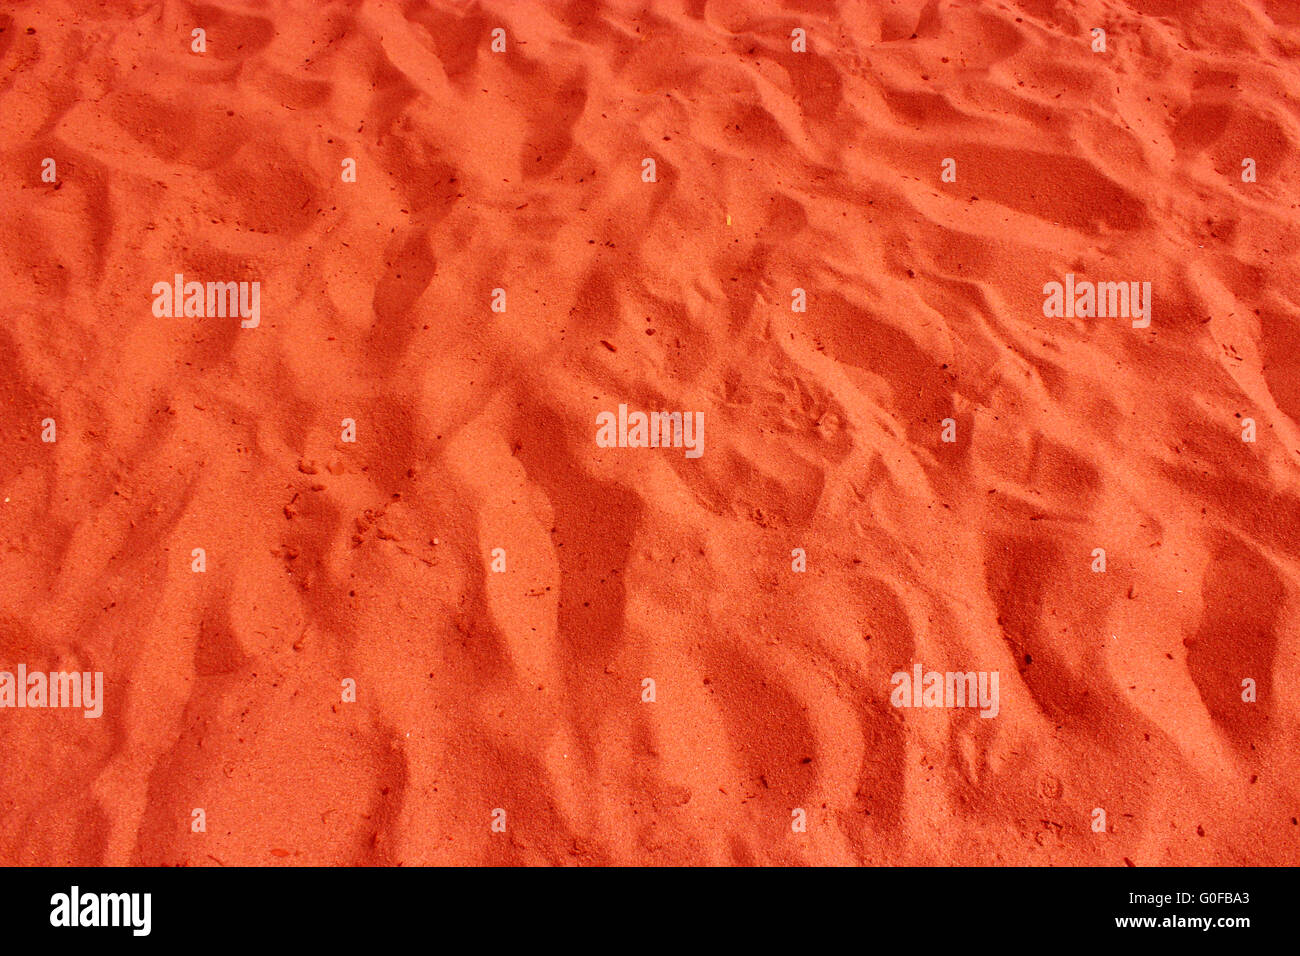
(377, 571)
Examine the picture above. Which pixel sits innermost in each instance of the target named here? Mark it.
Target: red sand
(522, 690)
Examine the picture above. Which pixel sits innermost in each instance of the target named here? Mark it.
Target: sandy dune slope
(825, 538)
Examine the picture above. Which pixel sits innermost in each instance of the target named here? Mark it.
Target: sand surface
(371, 561)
